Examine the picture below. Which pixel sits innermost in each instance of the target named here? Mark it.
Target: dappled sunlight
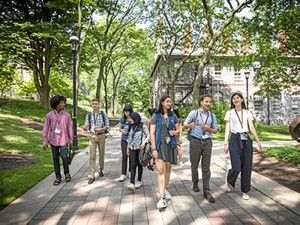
(15, 139)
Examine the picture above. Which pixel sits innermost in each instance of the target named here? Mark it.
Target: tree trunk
(100, 77)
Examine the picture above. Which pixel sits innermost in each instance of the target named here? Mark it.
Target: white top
(235, 125)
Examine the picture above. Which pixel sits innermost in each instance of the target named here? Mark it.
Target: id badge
(204, 135)
(244, 136)
(57, 130)
(167, 139)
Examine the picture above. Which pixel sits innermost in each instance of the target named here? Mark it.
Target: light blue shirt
(202, 117)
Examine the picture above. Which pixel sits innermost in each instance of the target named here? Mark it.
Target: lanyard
(202, 118)
(58, 117)
(240, 119)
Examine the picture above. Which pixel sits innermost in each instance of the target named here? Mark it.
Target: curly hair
(55, 100)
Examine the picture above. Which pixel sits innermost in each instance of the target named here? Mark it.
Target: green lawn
(16, 138)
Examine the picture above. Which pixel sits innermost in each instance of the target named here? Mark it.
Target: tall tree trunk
(100, 77)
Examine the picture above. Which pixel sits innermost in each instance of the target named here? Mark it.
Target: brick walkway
(107, 201)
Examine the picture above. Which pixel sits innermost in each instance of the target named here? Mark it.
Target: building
(221, 81)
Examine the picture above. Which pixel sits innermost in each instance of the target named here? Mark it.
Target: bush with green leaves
(287, 154)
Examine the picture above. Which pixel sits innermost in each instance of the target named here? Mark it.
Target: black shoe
(209, 197)
(150, 167)
(196, 188)
(101, 174)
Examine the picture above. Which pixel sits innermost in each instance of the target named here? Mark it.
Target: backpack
(145, 155)
(103, 118)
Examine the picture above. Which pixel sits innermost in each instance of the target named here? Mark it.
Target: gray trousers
(201, 150)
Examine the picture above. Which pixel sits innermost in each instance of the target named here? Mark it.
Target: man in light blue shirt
(203, 124)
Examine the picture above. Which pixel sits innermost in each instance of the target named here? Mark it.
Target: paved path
(107, 201)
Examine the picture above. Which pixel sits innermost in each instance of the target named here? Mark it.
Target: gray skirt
(167, 153)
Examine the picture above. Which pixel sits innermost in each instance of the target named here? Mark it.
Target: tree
(32, 33)
(274, 31)
(117, 16)
(213, 20)
(8, 77)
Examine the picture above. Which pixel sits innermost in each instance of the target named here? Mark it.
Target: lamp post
(74, 40)
(247, 88)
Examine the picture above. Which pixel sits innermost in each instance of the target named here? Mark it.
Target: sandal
(68, 177)
(56, 182)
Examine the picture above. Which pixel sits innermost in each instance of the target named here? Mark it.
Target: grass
(265, 133)
(15, 138)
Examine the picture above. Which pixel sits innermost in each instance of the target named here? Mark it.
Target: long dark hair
(152, 111)
(241, 96)
(160, 108)
(126, 108)
(55, 100)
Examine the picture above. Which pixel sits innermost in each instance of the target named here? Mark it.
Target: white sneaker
(167, 196)
(138, 184)
(122, 178)
(181, 163)
(161, 204)
(130, 187)
(245, 196)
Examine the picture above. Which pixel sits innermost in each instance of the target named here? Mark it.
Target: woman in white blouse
(239, 122)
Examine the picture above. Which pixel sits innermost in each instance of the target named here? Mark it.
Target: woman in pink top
(58, 132)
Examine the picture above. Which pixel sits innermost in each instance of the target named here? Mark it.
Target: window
(237, 75)
(276, 106)
(218, 72)
(295, 104)
(257, 101)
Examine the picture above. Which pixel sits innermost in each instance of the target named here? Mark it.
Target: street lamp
(247, 74)
(74, 40)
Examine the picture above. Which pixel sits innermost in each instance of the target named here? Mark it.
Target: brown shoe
(68, 177)
(57, 182)
(209, 197)
(91, 180)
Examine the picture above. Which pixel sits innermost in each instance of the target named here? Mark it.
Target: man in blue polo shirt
(203, 124)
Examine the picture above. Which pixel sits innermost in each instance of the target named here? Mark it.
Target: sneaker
(209, 197)
(245, 196)
(161, 204)
(130, 187)
(138, 184)
(91, 180)
(122, 178)
(181, 163)
(167, 196)
(68, 177)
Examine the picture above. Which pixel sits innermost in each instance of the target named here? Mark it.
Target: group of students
(163, 130)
